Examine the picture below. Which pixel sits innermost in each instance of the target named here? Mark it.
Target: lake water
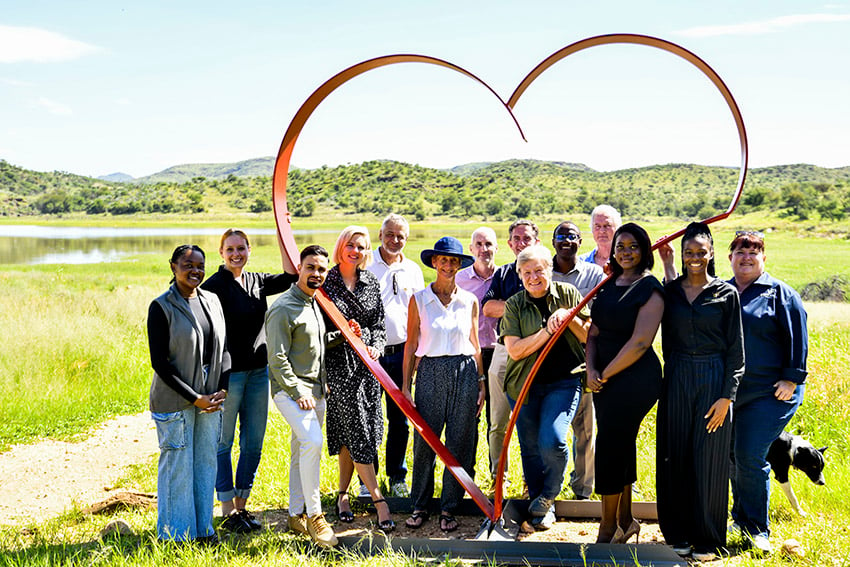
(29, 244)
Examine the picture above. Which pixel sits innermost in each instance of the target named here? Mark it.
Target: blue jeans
(248, 398)
(543, 427)
(397, 428)
(757, 423)
(186, 473)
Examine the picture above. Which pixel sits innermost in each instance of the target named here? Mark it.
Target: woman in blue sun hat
(443, 358)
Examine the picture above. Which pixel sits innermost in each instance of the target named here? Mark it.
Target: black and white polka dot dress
(354, 417)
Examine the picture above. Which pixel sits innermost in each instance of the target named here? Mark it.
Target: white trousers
(305, 453)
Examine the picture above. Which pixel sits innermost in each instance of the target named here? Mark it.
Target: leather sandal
(448, 523)
(345, 516)
(417, 519)
(385, 526)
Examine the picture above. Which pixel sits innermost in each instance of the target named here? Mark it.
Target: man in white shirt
(604, 221)
(399, 278)
(476, 279)
(568, 267)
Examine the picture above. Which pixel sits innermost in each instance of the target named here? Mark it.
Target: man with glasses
(604, 221)
(521, 234)
(399, 278)
(569, 268)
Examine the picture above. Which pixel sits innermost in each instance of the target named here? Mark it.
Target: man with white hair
(476, 279)
(399, 278)
(604, 221)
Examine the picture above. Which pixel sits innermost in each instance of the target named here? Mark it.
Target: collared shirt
(775, 337)
(589, 257)
(469, 280)
(444, 329)
(522, 319)
(711, 325)
(398, 282)
(585, 275)
(295, 329)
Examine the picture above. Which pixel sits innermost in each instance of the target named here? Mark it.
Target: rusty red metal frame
(493, 510)
(284, 226)
(742, 136)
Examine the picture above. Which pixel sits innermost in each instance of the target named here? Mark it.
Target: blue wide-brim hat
(447, 246)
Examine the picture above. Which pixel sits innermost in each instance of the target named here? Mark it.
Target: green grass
(75, 352)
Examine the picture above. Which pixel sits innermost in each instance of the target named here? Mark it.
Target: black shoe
(234, 523)
(250, 520)
(209, 540)
(387, 525)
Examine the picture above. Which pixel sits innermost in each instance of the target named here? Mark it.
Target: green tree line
(513, 188)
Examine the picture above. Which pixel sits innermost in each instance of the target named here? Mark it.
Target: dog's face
(810, 461)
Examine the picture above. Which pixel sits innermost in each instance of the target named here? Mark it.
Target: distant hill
(486, 191)
(257, 167)
(117, 176)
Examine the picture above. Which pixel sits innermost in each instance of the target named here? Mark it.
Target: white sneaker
(760, 543)
(399, 490)
(704, 555)
(682, 550)
(363, 492)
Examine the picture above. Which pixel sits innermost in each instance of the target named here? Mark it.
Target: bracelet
(547, 331)
(482, 377)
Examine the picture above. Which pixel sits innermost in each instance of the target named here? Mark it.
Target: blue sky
(95, 87)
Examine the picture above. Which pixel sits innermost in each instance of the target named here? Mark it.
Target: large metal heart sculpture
(493, 510)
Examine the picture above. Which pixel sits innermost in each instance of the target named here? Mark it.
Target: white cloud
(123, 101)
(54, 107)
(15, 82)
(766, 26)
(20, 44)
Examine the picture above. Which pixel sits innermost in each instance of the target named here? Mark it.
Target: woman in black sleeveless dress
(624, 374)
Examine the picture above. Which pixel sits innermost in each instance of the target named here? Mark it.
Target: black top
(615, 311)
(245, 312)
(711, 325)
(158, 339)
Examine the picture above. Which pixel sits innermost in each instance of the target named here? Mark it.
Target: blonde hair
(230, 232)
(345, 237)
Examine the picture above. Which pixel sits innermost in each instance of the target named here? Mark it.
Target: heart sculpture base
(493, 510)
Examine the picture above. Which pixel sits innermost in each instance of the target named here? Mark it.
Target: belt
(390, 350)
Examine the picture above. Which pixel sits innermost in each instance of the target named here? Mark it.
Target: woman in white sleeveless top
(443, 355)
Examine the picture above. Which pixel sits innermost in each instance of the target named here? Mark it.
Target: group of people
(466, 342)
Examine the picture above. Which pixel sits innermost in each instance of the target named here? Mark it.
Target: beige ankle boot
(321, 531)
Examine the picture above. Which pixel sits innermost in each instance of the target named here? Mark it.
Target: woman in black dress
(355, 422)
(703, 344)
(624, 374)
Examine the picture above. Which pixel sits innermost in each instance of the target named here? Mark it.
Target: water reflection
(27, 244)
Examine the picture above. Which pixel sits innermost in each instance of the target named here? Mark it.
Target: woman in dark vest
(186, 335)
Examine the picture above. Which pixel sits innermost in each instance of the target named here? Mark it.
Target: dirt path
(41, 480)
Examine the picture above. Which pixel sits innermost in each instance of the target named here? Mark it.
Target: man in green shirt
(295, 330)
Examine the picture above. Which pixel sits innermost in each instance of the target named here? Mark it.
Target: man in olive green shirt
(295, 329)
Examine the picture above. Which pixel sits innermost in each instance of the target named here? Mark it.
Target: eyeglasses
(395, 285)
(571, 236)
(755, 233)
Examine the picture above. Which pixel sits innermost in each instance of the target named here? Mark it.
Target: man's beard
(313, 284)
